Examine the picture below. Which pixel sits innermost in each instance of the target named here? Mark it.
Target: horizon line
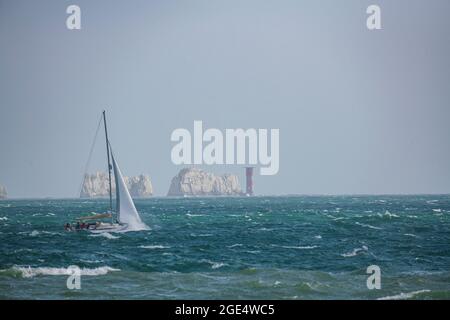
(239, 196)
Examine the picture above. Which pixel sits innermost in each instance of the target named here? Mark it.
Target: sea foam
(107, 235)
(157, 246)
(403, 296)
(355, 252)
(29, 272)
(367, 226)
(300, 247)
(214, 265)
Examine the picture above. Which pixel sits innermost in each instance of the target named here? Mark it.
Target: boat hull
(108, 227)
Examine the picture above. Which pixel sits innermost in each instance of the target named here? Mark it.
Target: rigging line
(90, 156)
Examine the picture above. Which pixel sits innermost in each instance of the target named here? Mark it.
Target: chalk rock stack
(96, 186)
(195, 182)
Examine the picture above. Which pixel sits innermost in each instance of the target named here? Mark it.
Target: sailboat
(125, 217)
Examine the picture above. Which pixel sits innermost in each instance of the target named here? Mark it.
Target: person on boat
(67, 227)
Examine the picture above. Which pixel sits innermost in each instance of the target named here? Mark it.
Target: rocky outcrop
(3, 193)
(139, 186)
(96, 186)
(195, 182)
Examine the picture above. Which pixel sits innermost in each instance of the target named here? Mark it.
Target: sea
(290, 247)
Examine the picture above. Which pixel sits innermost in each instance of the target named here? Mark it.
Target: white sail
(126, 211)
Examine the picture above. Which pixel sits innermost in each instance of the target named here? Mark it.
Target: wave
(334, 218)
(201, 235)
(403, 296)
(214, 265)
(355, 252)
(30, 272)
(157, 246)
(217, 265)
(3, 218)
(107, 235)
(91, 261)
(300, 247)
(368, 226)
(36, 233)
(390, 215)
(236, 245)
(194, 215)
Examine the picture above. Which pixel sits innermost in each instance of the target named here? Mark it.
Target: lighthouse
(249, 183)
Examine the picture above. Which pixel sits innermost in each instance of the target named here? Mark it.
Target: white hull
(108, 227)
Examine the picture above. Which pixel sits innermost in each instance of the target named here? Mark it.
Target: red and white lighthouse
(249, 183)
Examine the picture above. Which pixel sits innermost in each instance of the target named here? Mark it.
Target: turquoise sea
(305, 247)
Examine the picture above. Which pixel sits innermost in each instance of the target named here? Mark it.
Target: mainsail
(126, 211)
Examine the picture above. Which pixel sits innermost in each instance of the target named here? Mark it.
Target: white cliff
(3, 193)
(195, 182)
(96, 186)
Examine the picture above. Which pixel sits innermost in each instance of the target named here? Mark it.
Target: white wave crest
(201, 235)
(91, 261)
(300, 247)
(236, 245)
(390, 215)
(29, 272)
(217, 265)
(157, 246)
(214, 265)
(403, 296)
(194, 215)
(107, 235)
(355, 252)
(368, 226)
(36, 233)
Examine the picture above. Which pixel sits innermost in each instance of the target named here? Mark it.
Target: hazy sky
(359, 111)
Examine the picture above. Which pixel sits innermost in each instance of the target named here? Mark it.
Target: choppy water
(228, 248)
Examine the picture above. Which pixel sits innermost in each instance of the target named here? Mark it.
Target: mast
(109, 161)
